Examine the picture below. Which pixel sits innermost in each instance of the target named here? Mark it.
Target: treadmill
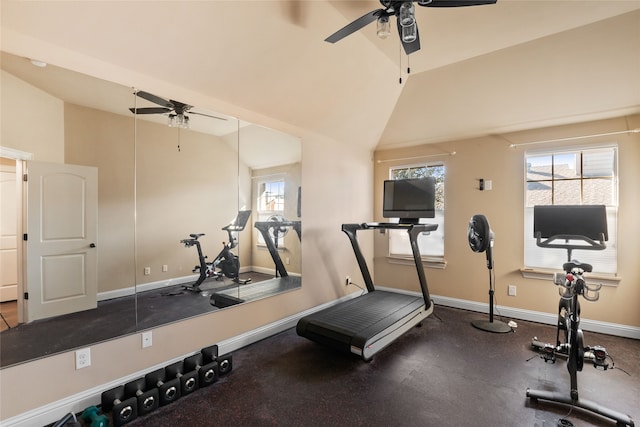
(368, 323)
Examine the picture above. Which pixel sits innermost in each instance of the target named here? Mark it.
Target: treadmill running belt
(354, 322)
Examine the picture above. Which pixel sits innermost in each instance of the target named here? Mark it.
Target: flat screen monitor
(570, 220)
(409, 199)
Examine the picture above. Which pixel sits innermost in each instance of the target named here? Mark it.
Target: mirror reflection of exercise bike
(573, 227)
(226, 264)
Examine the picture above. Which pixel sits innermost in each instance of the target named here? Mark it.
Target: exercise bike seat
(568, 266)
(195, 236)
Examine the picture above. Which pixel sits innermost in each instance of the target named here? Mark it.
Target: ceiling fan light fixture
(407, 14)
(384, 28)
(178, 121)
(409, 33)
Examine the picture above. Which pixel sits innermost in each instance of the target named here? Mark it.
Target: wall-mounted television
(409, 199)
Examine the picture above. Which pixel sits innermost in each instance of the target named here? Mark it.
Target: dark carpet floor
(445, 373)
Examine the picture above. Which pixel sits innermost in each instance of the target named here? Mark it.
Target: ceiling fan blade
(354, 26)
(207, 115)
(150, 110)
(458, 3)
(413, 46)
(155, 99)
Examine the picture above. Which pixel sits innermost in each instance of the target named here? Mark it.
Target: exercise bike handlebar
(550, 242)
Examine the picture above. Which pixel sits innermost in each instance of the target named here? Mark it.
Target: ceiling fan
(404, 11)
(175, 109)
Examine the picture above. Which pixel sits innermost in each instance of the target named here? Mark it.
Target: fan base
(497, 326)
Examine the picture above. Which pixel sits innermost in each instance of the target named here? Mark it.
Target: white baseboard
(125, 292)
(76, 403)
(615, 329)
(8, 293)
(150, 286)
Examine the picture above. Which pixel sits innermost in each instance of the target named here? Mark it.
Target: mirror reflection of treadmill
(283, 280)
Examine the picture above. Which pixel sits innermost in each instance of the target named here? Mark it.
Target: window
(270, 204)
(575, 177)
(432, 244)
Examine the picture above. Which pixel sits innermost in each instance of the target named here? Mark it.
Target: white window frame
(431, 244)
(265, 214)
(538, 261)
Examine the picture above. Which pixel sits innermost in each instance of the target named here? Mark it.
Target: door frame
(20, 157)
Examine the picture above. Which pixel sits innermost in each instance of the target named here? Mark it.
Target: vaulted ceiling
(486, 69)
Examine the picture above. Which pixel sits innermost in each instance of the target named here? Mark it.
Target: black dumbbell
(225, 364)
(188, 378)
(148, 397)
(168, 389)
(122, 410)
(207, 372)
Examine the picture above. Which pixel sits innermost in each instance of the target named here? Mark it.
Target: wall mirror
(161, 187)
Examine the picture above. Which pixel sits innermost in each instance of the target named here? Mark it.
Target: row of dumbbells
(160, 387)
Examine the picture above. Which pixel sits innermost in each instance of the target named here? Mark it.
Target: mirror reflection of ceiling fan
(175, 110)
(404, 11)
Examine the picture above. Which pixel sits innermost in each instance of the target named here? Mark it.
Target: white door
(8, 234)
(61, 221)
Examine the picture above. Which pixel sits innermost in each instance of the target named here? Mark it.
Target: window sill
(280, 248)
(542, 274)
(437, 263)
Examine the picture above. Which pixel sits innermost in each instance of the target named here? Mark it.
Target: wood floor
(9, 311)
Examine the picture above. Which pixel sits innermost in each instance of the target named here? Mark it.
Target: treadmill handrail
(413, 230)
(263, 227)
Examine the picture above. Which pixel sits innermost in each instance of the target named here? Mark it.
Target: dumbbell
(122, 410)
(92, 415)
(188, 378)
(225, 364)
(207, 372)
(148, 397)
(168, 389)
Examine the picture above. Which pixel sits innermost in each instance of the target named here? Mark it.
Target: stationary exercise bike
(226, 264)
(573, 227)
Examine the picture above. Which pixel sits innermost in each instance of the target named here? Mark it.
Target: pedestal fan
(481, 240)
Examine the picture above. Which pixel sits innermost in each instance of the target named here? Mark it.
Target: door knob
(92, 245)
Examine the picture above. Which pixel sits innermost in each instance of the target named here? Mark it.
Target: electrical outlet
(147, 271)
(512, 290)
(165, 268)
(83, 358)
(347, 281)
(147, 339)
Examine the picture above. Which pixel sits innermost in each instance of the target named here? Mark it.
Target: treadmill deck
(365, 324)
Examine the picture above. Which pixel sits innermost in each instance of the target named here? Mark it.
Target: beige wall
(466, 276)
(24, 106)
(190, 189)
(105, 140)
